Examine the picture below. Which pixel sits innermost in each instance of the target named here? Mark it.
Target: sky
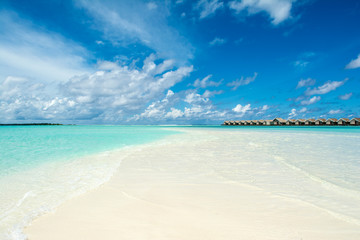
(178, 61)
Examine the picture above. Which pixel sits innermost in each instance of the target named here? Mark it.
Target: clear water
(42, 166)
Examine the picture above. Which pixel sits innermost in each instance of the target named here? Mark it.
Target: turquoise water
(23, 147)
(42, 166)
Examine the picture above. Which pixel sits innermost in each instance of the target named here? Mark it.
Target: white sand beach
(210, 184)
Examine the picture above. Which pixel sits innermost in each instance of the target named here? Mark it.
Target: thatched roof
(310, 120)
(300, 120)
(321, 120)
(280, 120)
(291, 120)
(344, 119)
(332, 119)
(356, 119)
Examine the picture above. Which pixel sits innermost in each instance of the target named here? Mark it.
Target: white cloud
(242, 81)
(195, 98)
(333, 112)
(242, 109)
(346, 96)
(208, 8)
(99, 42)
(209, 94)
(204, 83)
(325, 88)
(304, 109)
(355, 63)
(128, 22)
(311, 100)
(174, 113)
(293, 113)
(28, 51)
(265, 107)
(306, 82)
(301, 63)
(278, 10)
(151, 6)
(217, 41)
(110, 94)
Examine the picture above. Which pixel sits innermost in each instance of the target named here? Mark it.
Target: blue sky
(178, 61)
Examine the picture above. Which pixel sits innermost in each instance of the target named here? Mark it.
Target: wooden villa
(331, 121)
(355, 122)
(296, 122)
(254, 122)
(260, 122)
(310, 121)
(320, 121)
(290, 122)
(300, 122)
(279, 121)
(343, 121)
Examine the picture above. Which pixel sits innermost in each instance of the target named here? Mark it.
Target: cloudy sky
(178, 61)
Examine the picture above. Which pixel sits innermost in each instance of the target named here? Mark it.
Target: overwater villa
(343, 121)
(331, 121)
(300, 122)
(279, 121)
(297, 122)
(320, 121)
(290, 122)
(260, 122)
(355, 122)
(310, 121)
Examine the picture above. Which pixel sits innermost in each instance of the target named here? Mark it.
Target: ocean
(43, 166)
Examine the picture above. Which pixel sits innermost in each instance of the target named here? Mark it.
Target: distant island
(29, 124)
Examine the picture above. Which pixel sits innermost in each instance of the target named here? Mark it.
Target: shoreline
(167, 191)
(64, 180)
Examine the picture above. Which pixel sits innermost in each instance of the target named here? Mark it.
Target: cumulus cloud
(242, 81)
(174, 113)
(333, 112)
(217, 41)
(209, 94)
(304, 109)
(325, 88)
(196, 108)
(278, 10)
(355, 63)
(311, 100)
(208, 8)
(293, 113)
(206, 82)
(346, 96)
(110, 94)
(242, 110)
(195, 98)
(306, 82)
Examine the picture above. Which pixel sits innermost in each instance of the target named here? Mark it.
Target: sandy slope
(173, 191)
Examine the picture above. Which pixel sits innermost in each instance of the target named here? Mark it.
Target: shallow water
(42, 166)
